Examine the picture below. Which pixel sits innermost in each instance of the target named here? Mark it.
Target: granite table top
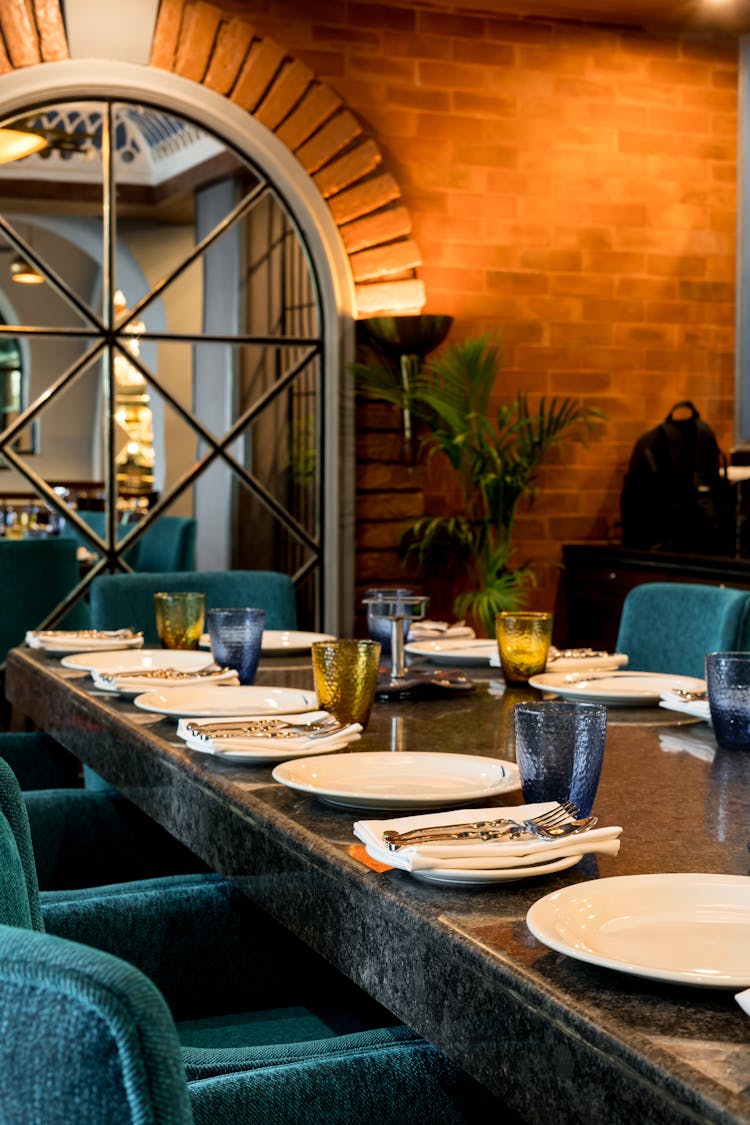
(560, 1040)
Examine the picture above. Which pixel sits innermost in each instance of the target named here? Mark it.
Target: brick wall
(572, 188)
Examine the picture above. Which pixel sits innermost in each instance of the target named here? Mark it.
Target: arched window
(185, 347)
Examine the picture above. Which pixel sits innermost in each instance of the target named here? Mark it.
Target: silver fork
(564, 820)
(552, 825)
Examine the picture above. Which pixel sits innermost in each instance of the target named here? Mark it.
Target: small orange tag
(359, 852)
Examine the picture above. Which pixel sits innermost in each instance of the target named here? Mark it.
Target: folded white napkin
(430, 630)
(698, 708)
(478, 855)
(251, 744)
(143, 683)
(743, 999)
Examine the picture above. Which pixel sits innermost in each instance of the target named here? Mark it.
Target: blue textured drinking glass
(559, 751)
(379, 627)
(728, 683)
(236, 636)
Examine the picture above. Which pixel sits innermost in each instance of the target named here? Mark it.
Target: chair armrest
(203, 943)
(84, 837)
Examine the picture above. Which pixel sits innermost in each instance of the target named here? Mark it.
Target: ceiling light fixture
(17, 143)
(24, 273)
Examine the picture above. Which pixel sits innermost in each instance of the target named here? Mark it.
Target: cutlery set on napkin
(83, 640)
(132, 682)
(268, 739)
(513, 844)
(693, 703)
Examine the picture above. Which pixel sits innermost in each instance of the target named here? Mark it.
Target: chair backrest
(88, 1038)
(119, 600)
(670, 626)
(169, 544)
(35, 575)
(19, 890)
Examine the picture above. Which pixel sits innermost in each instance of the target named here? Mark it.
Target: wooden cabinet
(597, 577)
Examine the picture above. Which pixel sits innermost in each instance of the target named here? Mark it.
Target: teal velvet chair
(181, 1002)
(118, 600)
(169, 544)
(670, 626)
(35, 575)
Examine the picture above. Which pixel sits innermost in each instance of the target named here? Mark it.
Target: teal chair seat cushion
(119, 600)
(670, 626)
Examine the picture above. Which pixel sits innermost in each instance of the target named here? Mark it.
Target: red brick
(416, 46)
(381, 16)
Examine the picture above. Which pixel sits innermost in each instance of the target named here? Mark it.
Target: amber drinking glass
(523, 641)
(346, 675)
(179, 618)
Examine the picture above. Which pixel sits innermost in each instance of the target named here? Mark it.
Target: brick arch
(199, 41)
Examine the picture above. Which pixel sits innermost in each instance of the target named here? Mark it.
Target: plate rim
(548, 902)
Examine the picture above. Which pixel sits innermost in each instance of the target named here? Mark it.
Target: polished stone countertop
(560, 1040)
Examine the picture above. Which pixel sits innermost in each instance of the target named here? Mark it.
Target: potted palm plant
(495, 461)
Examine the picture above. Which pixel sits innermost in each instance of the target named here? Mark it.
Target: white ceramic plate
(686, 929)
(469, 878)
(199, 702)
(121, 662)
(62, 645)
(454, 651)
(616, 689)
(277, 642)
(383, 780)
(281, 642)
